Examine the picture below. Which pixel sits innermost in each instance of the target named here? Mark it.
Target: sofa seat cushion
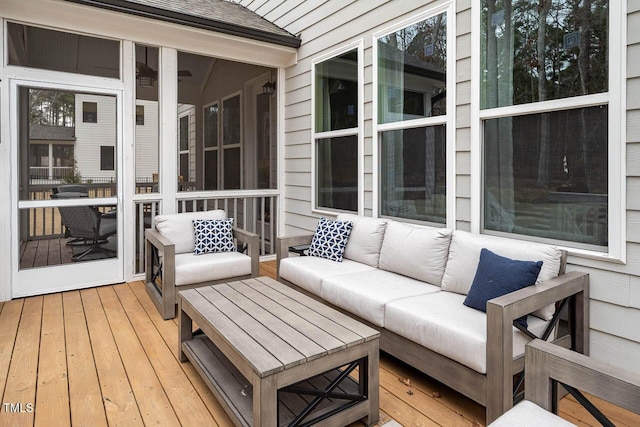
(307, 271)
(528, 414)
(365, 294)
(365, 239)
(191, 268)
(443, 324)
(415, 251)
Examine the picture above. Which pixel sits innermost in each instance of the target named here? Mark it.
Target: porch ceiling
(214, 15)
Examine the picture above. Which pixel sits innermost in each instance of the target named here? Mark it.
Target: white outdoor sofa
(409, 282)
(171, 265)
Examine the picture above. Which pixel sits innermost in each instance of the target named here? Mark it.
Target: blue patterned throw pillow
(213, 235)
(330, 239)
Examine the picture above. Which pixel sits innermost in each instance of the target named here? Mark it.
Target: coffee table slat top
(272, 321)
(339, 318)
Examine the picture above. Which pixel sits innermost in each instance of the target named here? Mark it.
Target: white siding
(147, 142)
(91, 136)
(327, 25)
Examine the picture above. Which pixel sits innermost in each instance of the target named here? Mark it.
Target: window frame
(357, 131)
(615, 99)
(449, 119)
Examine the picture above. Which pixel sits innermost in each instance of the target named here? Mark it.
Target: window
(183, 148)
(412, 117)
(90, 112)
(546, 164)
(211, 147)
(107, 156)
(337, 100)
(140, 115)
(231, 137)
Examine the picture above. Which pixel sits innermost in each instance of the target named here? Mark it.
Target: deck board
(84, 389)
(121, 359)
(184, 399)
(20, 387)
(152, 400)
(119, 402)
(52, 398)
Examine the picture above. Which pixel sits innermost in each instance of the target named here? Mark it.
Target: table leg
(373, 373)
(265, 402)
(185, 330)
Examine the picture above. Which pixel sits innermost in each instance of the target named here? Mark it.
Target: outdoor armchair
(172, 262)
(548, 366)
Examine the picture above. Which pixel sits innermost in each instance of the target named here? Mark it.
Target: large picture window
(412, 116)
(336, 112)
(546, 163)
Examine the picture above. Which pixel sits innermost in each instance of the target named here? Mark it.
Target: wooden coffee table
(273, 356)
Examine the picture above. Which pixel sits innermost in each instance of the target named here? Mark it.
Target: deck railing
(253, 210)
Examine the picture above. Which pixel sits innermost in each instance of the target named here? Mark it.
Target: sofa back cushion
(464, 254)
(179, 227)
(415, 251)
(365, 239)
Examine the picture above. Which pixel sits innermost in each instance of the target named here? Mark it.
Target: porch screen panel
(147, 134)
(36, 47)
(58, 150)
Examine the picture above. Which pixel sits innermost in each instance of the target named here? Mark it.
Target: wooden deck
(104, 356)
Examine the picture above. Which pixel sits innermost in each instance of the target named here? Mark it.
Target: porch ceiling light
(269, 88)
(146, 81)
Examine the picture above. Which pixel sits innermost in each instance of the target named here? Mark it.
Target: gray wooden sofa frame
(547, 364)
(165, 299)
(494, 390)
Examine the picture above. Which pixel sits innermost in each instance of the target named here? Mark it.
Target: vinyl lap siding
(328, 25)
(325, 26)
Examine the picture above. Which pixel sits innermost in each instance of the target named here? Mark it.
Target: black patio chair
(87, 226)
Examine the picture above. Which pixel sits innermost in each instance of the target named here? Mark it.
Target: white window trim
(448, 119)
(359, 131)
(212, 148)
(615, 98)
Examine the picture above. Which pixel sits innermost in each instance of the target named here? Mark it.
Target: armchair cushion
(496, 276)
(213, 235)
(178, 228)
(330, 239)
(192, 268)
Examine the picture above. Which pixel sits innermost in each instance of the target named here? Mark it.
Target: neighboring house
(433, 112)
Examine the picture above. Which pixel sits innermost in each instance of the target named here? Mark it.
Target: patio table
(274, 357)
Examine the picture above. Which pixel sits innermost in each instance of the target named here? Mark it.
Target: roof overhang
(192, 21)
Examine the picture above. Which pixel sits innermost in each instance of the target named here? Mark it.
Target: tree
(51, 108)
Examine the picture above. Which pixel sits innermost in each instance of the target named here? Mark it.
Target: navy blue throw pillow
(497, 276)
